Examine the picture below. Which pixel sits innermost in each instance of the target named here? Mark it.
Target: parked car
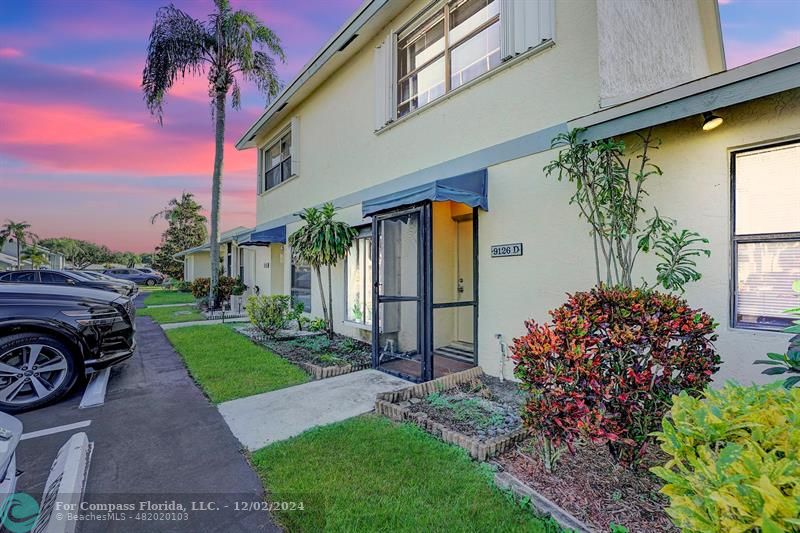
(134, 275)
(153, 272)
(65, 277)
(52, 335)
(93, 274)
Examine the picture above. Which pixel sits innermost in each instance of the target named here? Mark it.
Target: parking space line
(54, 430)
(95, 393)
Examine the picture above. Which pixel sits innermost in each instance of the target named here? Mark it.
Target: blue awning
(266, 237)
(468, 189)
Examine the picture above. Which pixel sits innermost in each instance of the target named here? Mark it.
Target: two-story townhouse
(428, 123)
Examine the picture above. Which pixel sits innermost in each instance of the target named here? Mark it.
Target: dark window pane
(23, 277)
(52, 277)
(301, 286)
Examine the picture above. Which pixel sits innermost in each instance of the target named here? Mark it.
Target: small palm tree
(220, 49)
(36, 256)
(20, 231)
(323, 241)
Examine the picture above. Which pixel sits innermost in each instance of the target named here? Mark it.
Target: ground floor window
(359, 281)
(766, 234)
(301, 285)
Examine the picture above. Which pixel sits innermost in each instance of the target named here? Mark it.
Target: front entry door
(399, 275)
(465, 322)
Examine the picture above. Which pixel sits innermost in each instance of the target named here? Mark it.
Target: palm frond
(178, 46)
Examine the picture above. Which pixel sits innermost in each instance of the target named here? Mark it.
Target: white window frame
(526, 27)
(277, 140)
(737, 239)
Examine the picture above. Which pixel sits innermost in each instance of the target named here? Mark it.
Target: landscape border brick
(316, 372)
(394, 405)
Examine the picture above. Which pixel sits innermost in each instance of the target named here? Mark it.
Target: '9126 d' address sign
(507, 250)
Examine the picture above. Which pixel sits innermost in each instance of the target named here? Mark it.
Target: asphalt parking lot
(156, 440)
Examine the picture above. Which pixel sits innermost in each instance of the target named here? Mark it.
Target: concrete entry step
(278, 415)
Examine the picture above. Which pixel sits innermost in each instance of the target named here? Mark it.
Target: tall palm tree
(228, 44)
(322, 241)
(20, 231)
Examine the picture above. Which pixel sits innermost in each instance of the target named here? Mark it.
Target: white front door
(465, 327)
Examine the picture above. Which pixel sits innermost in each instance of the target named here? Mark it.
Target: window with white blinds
(766, 236)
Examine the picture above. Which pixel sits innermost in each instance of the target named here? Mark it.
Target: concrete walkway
(273, 416)
(203, 323)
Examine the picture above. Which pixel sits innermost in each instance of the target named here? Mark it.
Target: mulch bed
(321, 351)
(485, 408)
(593, 488)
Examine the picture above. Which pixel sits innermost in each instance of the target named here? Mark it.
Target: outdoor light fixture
(710, 121)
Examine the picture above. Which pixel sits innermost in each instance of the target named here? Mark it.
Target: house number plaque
(507, 250)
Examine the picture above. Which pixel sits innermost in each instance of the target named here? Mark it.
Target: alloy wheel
(30, 373)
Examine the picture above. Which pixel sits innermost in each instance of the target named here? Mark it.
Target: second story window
(455, 45)
(278, 162)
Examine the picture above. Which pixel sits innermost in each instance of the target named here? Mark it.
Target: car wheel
(35, 369)
(150, 282)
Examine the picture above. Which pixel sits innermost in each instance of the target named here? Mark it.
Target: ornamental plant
(200, 287)
(734, 460)
(610, 192)
(269, 314)
(608, 365)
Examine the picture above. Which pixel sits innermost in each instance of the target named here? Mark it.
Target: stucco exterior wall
(649, 45)
(340, 153)
(695, 189)
(196, 265)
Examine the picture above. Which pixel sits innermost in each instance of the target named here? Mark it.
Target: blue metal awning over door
(468, 189)
(266, 237)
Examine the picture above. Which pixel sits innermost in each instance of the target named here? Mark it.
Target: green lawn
(228, 366)
(370, 474)
(164, 297)
(170, 315)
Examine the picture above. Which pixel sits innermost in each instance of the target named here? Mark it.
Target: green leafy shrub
(200, 287)
(735, 460)
(607, 367)
(317, 324)
(268, 314)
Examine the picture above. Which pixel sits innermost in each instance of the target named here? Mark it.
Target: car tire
(13, 347)
(150, 282)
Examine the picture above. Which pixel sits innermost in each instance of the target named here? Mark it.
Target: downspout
(503, 355)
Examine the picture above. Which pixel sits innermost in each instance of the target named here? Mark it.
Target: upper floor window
(277, 162)
(766, 234)
(456, 44)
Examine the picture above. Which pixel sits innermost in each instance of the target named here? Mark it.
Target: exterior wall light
(710, 121)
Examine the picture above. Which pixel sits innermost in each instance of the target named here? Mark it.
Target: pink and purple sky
(80, 155)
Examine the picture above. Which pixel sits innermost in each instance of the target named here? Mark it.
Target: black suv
(64, 277)
(51, 335)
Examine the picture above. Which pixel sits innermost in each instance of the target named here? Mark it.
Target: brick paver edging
(390, 405)
(317, 372)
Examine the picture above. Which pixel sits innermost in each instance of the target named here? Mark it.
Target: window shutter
(384, 82)
(525, 25)
(260, 171)
(295, 148)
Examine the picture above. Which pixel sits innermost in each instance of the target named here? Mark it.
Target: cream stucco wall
(339, 152)
(695, 189)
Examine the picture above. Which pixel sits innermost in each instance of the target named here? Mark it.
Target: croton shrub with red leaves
(608, 365)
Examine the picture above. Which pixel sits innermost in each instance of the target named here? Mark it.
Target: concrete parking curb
(65, 486)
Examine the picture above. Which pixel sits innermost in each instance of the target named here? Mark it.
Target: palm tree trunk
(330, 305)
(322, 295)
(216, 189)
(19, 257)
